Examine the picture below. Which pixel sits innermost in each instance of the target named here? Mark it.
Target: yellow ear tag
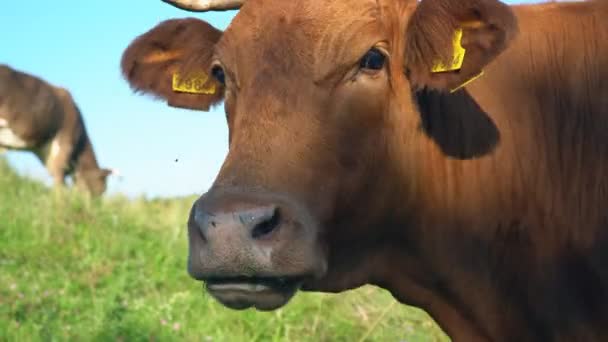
(457, 55)
(193, 85)
(457, 59)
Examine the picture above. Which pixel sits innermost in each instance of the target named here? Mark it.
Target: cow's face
(317, 97)
(93, 181)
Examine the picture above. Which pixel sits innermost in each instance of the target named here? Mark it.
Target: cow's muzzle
(251, 250)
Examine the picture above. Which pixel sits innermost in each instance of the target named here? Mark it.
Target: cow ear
(171, 62)
(450, 42)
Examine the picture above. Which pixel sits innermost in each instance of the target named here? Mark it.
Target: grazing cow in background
(453, 152)
(39, 117)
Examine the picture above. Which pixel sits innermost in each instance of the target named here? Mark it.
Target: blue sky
(78, 45)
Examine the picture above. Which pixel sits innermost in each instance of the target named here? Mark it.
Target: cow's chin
(264, 294)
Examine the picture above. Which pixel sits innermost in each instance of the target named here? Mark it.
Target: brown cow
(351, 162)
(44, 119)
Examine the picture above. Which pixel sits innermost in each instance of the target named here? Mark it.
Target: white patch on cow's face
(9, 139)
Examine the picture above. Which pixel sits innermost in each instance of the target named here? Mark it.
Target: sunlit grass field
(113, 269)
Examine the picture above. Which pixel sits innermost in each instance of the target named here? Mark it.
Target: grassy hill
(113, 269)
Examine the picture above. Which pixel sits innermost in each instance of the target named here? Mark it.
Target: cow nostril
(267, 226)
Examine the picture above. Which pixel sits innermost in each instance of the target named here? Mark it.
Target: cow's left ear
(172, 61)
(449, 42)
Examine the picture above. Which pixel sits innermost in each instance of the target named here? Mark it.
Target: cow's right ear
(160, 62)
(450, 42)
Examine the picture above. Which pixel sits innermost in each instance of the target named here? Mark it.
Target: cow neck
(429, 214)
(85, 156)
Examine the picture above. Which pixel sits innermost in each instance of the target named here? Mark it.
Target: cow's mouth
(263, 293)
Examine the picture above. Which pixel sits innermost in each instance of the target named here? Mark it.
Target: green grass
(113, 269)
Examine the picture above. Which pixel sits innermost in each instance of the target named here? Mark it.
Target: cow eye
(218, 73)
(373, 59)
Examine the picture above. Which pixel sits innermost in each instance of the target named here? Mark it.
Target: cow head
(318, 189)
(93, 181)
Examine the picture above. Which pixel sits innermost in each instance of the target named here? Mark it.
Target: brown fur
(430, 31)
(486, 207)
(179, 45)
(40, 114)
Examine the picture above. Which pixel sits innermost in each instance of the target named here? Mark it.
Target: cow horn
(206, 5)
